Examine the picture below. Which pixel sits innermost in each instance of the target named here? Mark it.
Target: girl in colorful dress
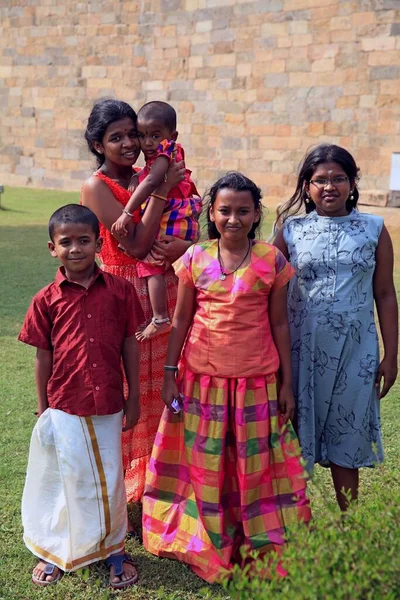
(225, 474)
(156, 125)
(344, 262)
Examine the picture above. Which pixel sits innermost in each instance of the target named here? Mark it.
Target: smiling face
(234, 213)
(120, 144)
(75, 245)
(329, 188)
(151, 133)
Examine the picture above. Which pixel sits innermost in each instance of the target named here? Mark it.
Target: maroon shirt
(85, 329)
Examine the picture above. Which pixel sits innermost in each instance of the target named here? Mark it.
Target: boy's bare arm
(130, 358)
(43, 369)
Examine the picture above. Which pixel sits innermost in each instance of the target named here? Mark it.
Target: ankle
(161, 321)
(160, 315)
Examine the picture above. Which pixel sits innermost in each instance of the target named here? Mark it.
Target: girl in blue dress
(344, 263)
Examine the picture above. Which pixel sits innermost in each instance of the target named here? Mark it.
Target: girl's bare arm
(181, 322)
(280, 243)
(280, 332)
(386, 305)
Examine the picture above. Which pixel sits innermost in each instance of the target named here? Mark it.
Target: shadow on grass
(158, 574)
(12, 210)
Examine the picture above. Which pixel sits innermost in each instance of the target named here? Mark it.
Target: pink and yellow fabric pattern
(225, 473)
(183, 208)
(181, 213)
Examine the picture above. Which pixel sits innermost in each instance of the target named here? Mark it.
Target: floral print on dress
(333, 336)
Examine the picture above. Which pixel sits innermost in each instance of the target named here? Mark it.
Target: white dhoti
(74, 504)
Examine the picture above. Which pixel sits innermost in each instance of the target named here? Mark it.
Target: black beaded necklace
(224, 273)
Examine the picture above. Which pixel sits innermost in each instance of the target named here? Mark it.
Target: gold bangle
(159, 197)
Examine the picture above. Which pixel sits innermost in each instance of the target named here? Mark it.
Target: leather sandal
(117, 561)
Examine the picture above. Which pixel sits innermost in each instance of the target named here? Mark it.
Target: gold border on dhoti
(103, 551)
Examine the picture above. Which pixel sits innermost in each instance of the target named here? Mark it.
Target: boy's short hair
(73, 213)
(159, 110)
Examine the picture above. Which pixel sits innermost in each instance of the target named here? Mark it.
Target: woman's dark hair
(239, 183)
(104, 112)
(320, 154)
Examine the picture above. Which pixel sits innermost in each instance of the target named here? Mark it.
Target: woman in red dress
(112, 138)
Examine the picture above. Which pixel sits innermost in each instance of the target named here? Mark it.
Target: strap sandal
(48, 570)
(117, 561)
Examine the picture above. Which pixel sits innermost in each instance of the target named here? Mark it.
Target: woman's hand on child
(119, 227)
(388, 370)
(169, 248)
(286, 403)
(132, 412)
(175, 174)
(169, 389)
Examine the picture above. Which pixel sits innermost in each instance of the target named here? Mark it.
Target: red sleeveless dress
(137, 444)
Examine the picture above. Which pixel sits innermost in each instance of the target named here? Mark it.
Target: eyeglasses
(335, 181)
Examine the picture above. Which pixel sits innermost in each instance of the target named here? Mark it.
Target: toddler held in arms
(156, 124)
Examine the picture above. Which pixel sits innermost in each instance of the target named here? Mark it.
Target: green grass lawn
(25, 267)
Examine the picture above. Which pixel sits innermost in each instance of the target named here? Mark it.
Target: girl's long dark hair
(104, 112)
(239, 183)
(320, 154)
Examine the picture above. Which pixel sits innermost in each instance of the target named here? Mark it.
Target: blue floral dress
(334, 341)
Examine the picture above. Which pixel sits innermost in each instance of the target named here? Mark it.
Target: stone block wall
(254, 82)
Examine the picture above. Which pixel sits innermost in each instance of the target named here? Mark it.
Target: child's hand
(119, 227)
(132, 412)
(388, 370)
(133, 182)
(286, 403)
(169, 389)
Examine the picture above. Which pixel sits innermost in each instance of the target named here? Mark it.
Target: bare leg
(158, 300)
(346, 485)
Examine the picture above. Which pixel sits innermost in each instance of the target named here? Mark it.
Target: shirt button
(91, 340)
(94, 365)
(97, 388)
(89, 316)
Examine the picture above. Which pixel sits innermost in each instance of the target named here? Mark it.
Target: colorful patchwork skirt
(224, 477)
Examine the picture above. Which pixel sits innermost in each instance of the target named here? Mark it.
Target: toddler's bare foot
(154, 328)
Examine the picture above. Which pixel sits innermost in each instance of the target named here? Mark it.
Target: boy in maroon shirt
(82, 324)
